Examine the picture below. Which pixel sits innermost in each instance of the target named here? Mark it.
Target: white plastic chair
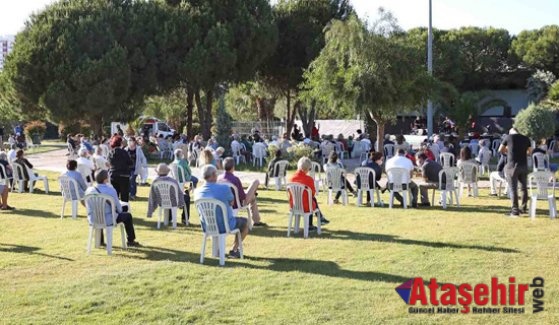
(447, 159)
(551, 149)
(86, 173)
(177, 174)
(364, 175)
(236, 150)
(542, 187)
(69, 189)
(340, 150)
(398, 181)
(326, 150)
(389, 151)
(240, 206)
(447, 187)
(316, 175)
(258, 154)
(207, 209)
(4, 180)
(296, 192)
(485, 157)
(72, 153)
(165, 188)
(97, 203)
(280, 169)
(540, 162)
(495, 147)
(165, 150)
(365, 148)
(467, 175)
(336, 182)
(19, 178)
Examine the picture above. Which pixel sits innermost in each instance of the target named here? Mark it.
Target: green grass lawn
(46, 146)
(345, 276)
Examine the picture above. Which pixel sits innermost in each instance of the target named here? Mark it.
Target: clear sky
(513, 15)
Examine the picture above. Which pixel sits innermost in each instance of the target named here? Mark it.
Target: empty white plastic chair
(280, 169)
(447, 159)
(467, 176)
(316, 175)
(69, 189)
(447, 187)
(336, 182)
(364, 174)
(96, 203)
(398, 181)
(542, 187)
(164, 189)
(240, 206)
(540, 162)
(207, 209)
(296, 192)
(258, 154)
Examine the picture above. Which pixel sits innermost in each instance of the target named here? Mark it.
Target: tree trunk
(208, 119)
(307, 117)
(380, 123)
(291, 113)
(189, 112)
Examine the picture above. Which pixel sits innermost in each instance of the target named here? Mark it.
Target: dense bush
(536, 122)
(35, 128)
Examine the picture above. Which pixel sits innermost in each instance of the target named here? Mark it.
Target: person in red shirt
(315, 132)
(303, 166)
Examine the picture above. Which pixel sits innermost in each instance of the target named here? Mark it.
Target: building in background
(6, 46)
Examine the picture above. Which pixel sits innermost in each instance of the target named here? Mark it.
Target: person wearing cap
(517, 147)
(154, 200)
(246, 198)
(104, 187)
(213, 190)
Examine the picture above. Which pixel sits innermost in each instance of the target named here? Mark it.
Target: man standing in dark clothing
(517, 147)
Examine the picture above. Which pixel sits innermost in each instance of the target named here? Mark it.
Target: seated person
(5, 185)
(23, 162)
(401, 161)
(430, 171)
(12, 153)
(85, 165)
(304, 165)
(375, 162)
(71, 172)
(212, 190)
(183, 164)
(154, 200)
(271, 172)
(206, 158)
(7, 167)
(248, 198)
(499, 175)
(99, 161)
(104, 187)
(334, 163)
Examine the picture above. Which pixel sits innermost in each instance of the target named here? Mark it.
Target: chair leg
(405, 198)
(318, 224)
(109, 233)
(297, 224)
(457, 198)
(289, 223)
(74, 209)
(359, 197)
(221, 240)
(391, 202)
(443, 199)
(46, 181)
(174, 216)
(533, 203)
(203, 251)
(89, 240)
(63, 208)
(240, 240)
(159, 218)
(330, 202)
(306, 226)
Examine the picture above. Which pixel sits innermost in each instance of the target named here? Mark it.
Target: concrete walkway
(56, 161)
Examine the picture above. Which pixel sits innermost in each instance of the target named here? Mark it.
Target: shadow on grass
(30, 250)
(349, 235)
(40, 213)
(271, 200)
(315, 267)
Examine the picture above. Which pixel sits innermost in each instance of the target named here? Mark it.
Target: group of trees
(93, 61)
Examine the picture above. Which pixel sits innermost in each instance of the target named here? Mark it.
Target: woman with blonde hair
(206, 158)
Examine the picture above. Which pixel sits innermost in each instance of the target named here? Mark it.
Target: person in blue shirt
(72, 165)
(221, 192)
(104, 187)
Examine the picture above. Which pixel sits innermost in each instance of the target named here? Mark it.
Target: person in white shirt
(85, 165)
(12, 153)
(99, 161)
(400, 161)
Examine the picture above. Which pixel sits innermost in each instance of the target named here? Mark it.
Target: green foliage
(539, 84)
(169, 107)
(223, 126)
(539, 48)
(297, 152)
(536, 122)
(553, 93)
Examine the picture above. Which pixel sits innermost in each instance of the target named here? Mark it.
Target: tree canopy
(539, 48)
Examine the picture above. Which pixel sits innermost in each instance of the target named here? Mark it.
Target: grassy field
(46, 146)
(345, 276)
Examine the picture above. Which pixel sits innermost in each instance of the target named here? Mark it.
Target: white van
(152, 125)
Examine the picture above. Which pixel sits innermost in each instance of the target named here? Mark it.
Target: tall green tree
(539, 48)
(370, 70)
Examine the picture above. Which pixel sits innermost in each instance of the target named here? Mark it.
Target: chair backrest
(551, 148)
(3, 175)
(364, 174)
(259, 150)
(208, 211)
(389, 151)
(447, 176)
(296, 192)
(236, 149)
(474, 147)
(68, 186)
(484, 156)
(334, 178)
(280, 168)
(540, 161)
(18, 171)
(315, 171)
(86, 172)
(165, 188)
(447, 159)
(398, 178)
(234, 190)
(544, 182)
(96, 204)
(365, 145)
(468, 172)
